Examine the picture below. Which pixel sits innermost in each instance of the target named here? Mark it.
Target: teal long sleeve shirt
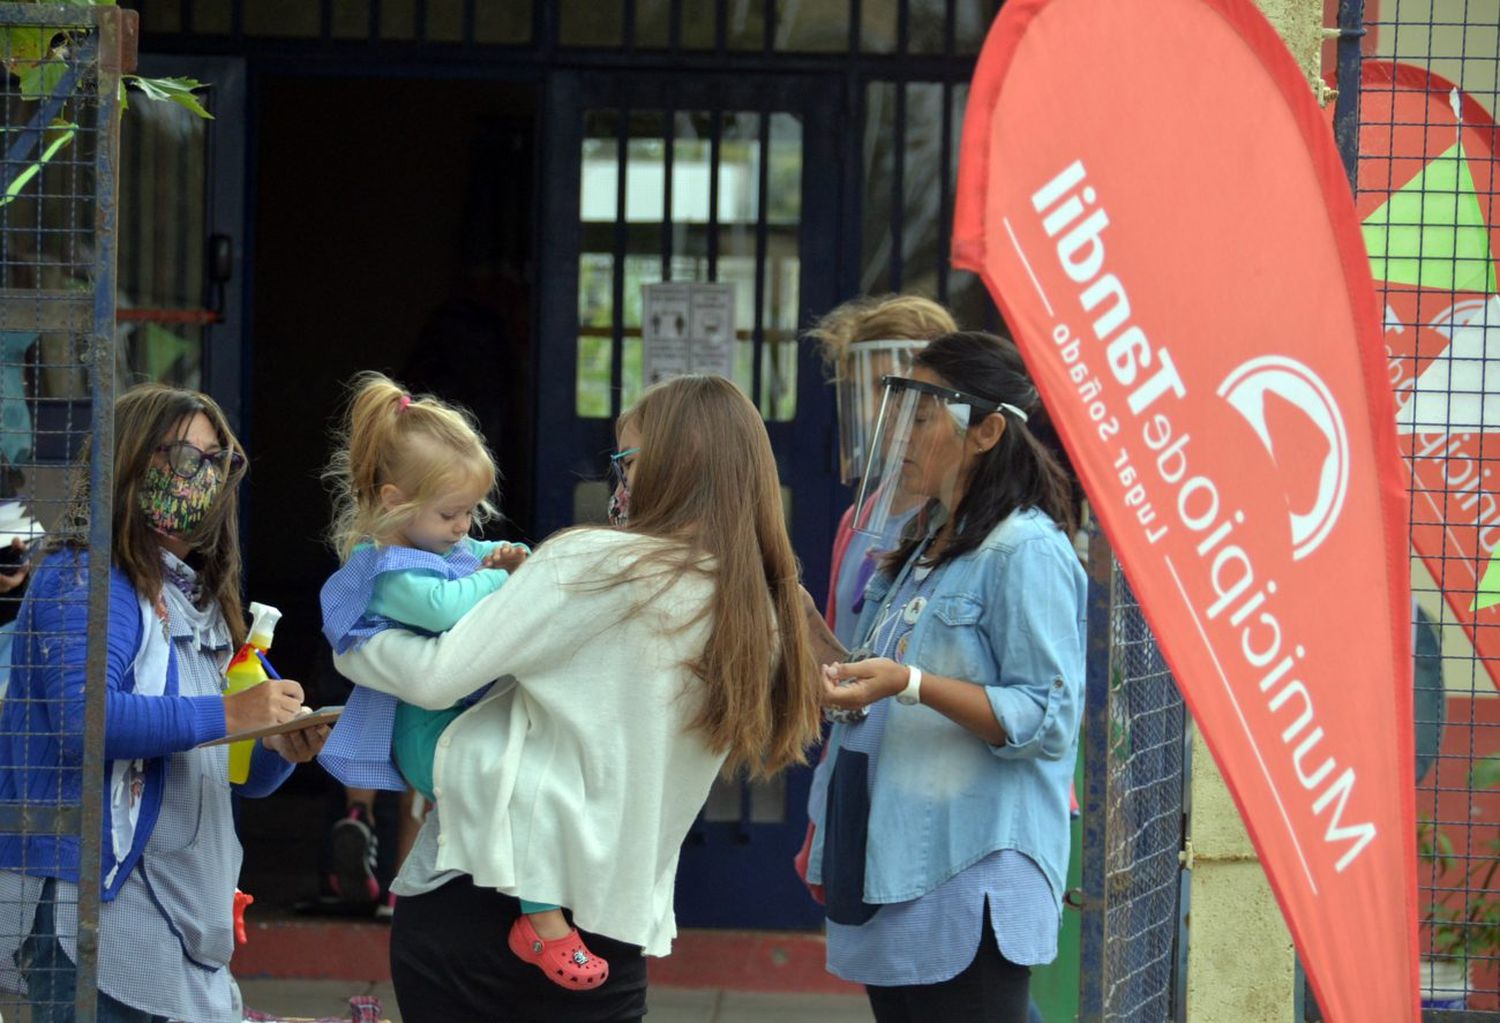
(428, 601)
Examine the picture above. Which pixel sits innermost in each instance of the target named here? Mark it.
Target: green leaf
(1486, 773)
(21, 45)
(39, 80)
(24, 178)
(172, 90)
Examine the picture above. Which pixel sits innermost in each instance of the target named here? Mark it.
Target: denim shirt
(1010, 616)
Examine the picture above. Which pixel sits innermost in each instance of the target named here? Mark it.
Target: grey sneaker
(354, 851)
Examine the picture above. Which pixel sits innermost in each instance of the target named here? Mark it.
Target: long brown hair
(705, 477)
(147, 417)
(419, 444)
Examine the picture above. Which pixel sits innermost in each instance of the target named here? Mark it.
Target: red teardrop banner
(1428, 180)
(1150, 193)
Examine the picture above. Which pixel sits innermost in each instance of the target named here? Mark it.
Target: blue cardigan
(41, 723)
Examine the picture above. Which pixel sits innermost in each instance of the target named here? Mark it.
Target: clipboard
(321, 716)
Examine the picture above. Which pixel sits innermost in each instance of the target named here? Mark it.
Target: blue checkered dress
(358, 752)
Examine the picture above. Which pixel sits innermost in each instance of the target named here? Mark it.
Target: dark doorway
(392, 231)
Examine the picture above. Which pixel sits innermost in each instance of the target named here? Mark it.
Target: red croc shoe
(566, 961)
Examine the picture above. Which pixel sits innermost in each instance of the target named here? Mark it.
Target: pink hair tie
(402, 402)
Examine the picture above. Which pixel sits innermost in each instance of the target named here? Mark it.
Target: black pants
(991, 989)
(450, 964)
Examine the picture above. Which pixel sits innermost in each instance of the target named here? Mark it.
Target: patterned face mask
(175, 506)
(619, 497)
(619, 504)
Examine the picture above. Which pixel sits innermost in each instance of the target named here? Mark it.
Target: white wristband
(912, 694)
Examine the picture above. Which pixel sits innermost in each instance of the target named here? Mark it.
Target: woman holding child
(635, 664)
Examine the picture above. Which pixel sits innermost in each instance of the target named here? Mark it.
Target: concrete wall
(1432, 34)
(1240, 959)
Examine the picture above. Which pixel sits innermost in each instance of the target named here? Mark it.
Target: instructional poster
(687, 328)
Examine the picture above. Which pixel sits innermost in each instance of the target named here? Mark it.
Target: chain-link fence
(1417, 96)
(1135, 750)
(58, 140)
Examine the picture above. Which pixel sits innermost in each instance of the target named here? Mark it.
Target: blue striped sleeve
(134, 726)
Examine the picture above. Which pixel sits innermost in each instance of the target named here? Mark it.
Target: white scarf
(127, 777)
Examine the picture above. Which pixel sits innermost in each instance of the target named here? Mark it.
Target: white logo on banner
(1246, 388)
(1460, 389)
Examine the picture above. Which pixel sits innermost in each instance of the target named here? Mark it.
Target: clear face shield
(916, 452)
(859, 389)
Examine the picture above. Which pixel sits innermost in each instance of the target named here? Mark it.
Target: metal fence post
(58, 181)
(116, 54)
(1346, 107)
(1095, 778)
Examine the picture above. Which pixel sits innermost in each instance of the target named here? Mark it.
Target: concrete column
(1241, 966)
(1300, 23)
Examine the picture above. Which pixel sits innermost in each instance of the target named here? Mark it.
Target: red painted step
(766, 961)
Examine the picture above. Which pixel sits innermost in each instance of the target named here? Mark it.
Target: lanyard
(884, 617)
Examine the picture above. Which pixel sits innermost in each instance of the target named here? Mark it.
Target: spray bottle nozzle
(263, 619)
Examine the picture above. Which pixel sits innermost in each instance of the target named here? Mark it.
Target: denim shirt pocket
(953, 644)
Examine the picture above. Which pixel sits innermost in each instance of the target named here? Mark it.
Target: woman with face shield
(862, 341)
(943, 870)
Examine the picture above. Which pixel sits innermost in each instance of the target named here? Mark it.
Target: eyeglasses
(187, 460)
(617, 464)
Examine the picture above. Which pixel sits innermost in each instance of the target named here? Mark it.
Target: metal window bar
(715, 154)
(898, 156)
(57, 322)
(674, 26)
(945, 192)
(622, 247)
(945, 153)
(540, 47)
(669, 155)
(762, 247)
(470, 24)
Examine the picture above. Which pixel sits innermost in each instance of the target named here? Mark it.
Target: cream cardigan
(576, 783)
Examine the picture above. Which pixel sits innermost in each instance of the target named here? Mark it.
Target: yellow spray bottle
(248, 668)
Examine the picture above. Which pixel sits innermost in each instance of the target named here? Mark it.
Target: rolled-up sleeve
(1035, 626)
